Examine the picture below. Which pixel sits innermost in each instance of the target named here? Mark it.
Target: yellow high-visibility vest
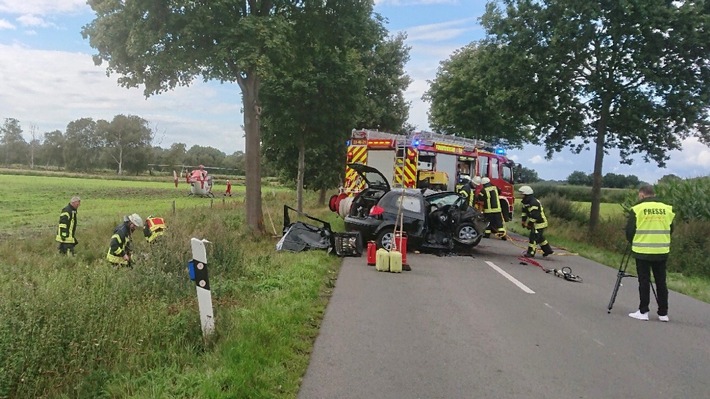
(653, 228)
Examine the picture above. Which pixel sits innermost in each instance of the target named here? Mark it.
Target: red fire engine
(426, 160)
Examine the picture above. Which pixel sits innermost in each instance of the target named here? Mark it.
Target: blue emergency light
(347, 143)
(415, 143)
(500, 151)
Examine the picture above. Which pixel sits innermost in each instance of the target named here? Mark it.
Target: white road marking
(511, 278)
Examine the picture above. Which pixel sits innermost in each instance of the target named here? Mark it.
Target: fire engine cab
(426, 160)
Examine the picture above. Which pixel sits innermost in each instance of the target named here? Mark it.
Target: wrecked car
(432, 221)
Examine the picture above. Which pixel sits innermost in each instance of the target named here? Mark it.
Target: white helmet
(485, 180)
(526, 190)
(476, 181)
(135, 219)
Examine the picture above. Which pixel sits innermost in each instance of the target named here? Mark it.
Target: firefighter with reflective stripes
(467, 189)
(119, 251)
(533, 218)
(153, 228)
(492, 211)
(66, 231)
(649, 230)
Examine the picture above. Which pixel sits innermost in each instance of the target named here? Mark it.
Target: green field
(74, 327)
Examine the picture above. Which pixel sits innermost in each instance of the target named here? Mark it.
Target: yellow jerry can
(382, 262)
(395, 262)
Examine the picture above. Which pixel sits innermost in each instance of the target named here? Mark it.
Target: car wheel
(466, 234)
(384, 239)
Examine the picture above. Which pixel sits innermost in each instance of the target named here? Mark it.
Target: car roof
(372, 176)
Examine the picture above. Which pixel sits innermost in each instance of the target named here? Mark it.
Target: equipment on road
(565, 272)
(620, 275)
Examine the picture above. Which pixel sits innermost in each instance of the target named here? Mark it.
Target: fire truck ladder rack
(449, 139)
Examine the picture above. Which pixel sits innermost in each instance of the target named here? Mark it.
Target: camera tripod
(621, 274)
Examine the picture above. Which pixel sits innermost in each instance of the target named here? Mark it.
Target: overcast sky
(48, 79)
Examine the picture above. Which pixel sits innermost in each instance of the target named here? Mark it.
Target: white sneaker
(664, 318)
(639, 316)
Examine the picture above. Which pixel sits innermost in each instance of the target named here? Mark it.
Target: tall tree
(53, 148)
(343, 71)
(83, 145)
(525, 175)
(311, 97)
(13, 146)
(163, 44)
(463, 102)
(127, 140)
(632, 75)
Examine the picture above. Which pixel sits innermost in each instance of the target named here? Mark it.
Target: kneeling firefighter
(119, 252)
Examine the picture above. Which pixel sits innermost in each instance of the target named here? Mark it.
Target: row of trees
(628, 75)
(610, 180)
(124, 145)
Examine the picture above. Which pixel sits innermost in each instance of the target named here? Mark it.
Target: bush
(690, 246)
(580, 193)
(561, 207)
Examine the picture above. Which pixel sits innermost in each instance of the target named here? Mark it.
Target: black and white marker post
(198, 272)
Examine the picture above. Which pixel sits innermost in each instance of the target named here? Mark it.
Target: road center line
(511, 278)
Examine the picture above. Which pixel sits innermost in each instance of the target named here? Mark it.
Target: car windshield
(443, 199)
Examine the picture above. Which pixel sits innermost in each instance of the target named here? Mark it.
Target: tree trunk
(301, 171)
(598, 161)
(321, 196)
(249, 83)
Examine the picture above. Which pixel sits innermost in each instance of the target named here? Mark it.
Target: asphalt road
(458, 327)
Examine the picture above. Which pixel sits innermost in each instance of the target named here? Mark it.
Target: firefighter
(466, 191)
(67, 227)
(490, 196)
(533, 218)
(119, 251)
(153, 228)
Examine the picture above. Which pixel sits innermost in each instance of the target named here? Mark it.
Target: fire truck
(425, 160)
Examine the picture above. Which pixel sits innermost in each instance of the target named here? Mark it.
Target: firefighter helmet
(476, 181)
(135, 219)
(485, 180)
(463, 179)
(526, 190)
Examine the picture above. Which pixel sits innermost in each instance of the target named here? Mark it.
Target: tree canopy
(628, 75)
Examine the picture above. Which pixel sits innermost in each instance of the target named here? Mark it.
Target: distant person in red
(228, 193)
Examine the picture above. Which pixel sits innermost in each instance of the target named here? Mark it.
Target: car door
(413, 210)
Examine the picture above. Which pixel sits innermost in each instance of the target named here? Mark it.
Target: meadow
(73, 327)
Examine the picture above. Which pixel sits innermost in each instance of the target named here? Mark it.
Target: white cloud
(5, 24)
(41, 7)
(443, 31)
(52, 88)
(413, 2)
(32, 20)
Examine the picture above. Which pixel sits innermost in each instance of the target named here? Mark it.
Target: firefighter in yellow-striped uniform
(119, 251)
(533, 218)
(468, 188)
(490, 196)
(649, 231)
(66, 231)
(154, 227)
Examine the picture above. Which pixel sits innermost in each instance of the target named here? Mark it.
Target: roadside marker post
(197, 268)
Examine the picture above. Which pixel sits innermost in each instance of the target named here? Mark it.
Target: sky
(48, 79)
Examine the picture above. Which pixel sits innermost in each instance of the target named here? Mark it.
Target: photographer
(649, 230)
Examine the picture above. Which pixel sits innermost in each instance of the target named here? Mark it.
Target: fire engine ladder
(400, 144)
(449, 139)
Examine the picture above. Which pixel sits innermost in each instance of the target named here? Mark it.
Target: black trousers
(66, 249)
(537, 237)
(644, 268)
